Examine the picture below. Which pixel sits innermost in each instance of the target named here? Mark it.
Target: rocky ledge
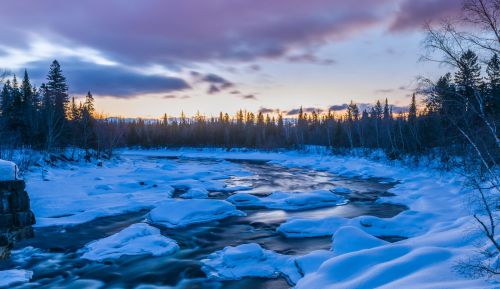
(16, 218)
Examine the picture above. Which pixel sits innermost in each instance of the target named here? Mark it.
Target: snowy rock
(181, 213)
(8, 171)
(351, 239)
(14, 276)
(195, 193)
(289, 201)
(138, 239)
(249, 260)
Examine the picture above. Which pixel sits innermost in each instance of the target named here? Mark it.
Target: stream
(57, 264)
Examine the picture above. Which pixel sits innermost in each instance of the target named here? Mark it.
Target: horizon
(246, 55)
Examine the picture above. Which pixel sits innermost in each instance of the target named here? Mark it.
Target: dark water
(56, 264)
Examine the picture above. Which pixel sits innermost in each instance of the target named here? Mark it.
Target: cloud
(111, 81)
(249, 96)
(384, 91)
(213, 89)
(414, 14)
(367, 106)
(305, 110)
(338, 107)
(309, 58)
(216, 82)
(267, 110)
(158, 31)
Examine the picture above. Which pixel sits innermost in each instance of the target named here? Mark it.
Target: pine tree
(387, 114)
(469, 71)
(57, 90)
(412, 111)
(493, 86)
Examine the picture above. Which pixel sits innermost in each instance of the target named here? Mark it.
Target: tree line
(46, 118)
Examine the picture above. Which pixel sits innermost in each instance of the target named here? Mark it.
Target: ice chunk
(14, 276)
(8, 171)
(181, 213)
(138, 239)
(288, 201)
(249, 260)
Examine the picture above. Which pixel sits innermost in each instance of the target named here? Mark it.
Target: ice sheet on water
(137, 239)
(180, 213)
(249, 260)
(289, 201)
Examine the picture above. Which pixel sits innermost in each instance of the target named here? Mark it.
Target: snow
(14, 276)
(195, 193)
(288, 201)
(180, 213)
(85, 191)
(310, 263)
(351, 239)
(407, 224)
(249, 260)
(137, 239)
(8, 171)
(436, 223)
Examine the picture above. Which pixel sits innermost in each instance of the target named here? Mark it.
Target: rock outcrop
(16, 218)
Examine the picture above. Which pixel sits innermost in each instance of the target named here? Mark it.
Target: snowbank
(86, 191)
(14, 276)
(181, 213)
(407, 224)
(288, 201)
(249, 260)
(8, 171)
(137, 239)
(351, 239)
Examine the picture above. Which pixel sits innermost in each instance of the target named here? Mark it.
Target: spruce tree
(57, 90)
(412, 111)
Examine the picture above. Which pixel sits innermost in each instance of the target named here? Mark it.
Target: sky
(150, 57)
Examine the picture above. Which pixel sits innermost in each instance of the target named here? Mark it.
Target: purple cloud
(249, 96)
(107, 80)
(175, 32)
(414, 14)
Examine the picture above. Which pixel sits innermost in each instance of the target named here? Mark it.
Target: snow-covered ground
(436, 226)
(76, 193)
(8, 171)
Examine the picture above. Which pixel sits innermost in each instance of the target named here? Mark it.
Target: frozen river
(57, 263)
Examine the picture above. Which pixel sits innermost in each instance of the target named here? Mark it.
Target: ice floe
(249, 260)
(288, 201)
(137, 239)
(180, 213)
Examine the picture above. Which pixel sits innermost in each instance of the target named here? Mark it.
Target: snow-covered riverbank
(436, 226)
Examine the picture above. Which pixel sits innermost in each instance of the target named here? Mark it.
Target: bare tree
(476, 125)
